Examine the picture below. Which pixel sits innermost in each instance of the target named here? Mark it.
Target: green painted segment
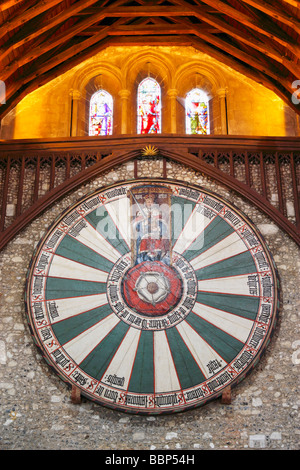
(104, 224)
(225, 345)
(217, 230)
(96, 363)
(233, 266)
(68, 329)
(142, 376)
(242, 305)
(181, 211)
(188, 371)
(74, 250)
(59, 288)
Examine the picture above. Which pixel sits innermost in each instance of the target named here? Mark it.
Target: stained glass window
(149, 107)
(196, 112)
(101, 113)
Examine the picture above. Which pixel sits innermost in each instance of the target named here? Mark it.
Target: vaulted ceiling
(39, 40)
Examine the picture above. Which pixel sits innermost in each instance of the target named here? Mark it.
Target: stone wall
(36, 409)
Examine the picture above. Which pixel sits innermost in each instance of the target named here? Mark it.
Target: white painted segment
(123, 361)
(94, 240)
(236, 285)
(69, 269)
(165, 374)
(194, 226)
(230, 246)
(119, 211)
(72, 306)
(234, 325)
(202, 352)
(80, 347)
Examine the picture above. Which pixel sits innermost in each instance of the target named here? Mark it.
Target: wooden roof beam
(276, 13)
(20, 9)
(152, 2)
(39, 50)
(255, 43)
(249, 72)
(247, 9)
(20, 18)
(41, 66)
(293, 3)
(146, 29)
(59, 39)
(253, 24)
(184, 9)
(257, 63)
(35, 52)
(31, 31)
(8, 4)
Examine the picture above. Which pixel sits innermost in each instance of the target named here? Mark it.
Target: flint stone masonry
(36, 411)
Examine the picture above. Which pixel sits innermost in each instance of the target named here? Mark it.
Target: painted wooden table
(152, 297)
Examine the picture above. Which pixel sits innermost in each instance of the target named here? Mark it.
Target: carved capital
(76, 95)
(124, 94)
(172, 93)
(222, 92)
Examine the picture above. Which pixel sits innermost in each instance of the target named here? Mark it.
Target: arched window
(149, 107)
(101, 113)
(196, 112)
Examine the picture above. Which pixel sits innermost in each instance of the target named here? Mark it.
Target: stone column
(222, 92)
(76, 95)
(172, 94)
(124, 95)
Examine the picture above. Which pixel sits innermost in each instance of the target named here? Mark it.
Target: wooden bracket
(75, 395)
(226, 396)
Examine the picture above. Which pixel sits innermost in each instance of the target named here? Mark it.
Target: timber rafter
(41, 39)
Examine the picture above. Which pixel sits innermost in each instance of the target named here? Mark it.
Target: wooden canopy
(39, 40)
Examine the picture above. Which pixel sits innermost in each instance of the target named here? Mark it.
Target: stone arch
(209, 79)
(87, 73)
(138, 67)
(161, 68)
(85, 83)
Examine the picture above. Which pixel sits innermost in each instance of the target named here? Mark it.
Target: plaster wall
(60, 108)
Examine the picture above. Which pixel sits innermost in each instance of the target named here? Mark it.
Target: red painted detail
(134, 301)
